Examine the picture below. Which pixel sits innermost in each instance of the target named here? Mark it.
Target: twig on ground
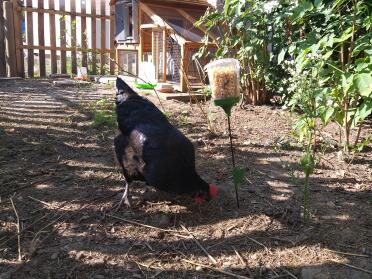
(289, 273)
(40, 201)
(353, 267)
(18, 230)
(175, 232)
(239, 256)
(346, 253)
(217, 269)
(259, 243)
(213, 260)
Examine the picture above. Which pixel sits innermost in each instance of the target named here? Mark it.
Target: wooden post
(103, 38)
(73, 38)
(62, 38)
(153, 53)
(18, 39)
(41, 39)
(10, 46)
(84, 59)
(165, 54)
(30, 41)
(184, 67)
(53, 53)
(94, 38)
(2, 42)
(112, 40)
(135, 16)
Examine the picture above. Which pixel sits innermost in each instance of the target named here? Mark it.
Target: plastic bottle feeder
(224, 79)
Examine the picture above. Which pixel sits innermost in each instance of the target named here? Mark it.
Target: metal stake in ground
(233, 158)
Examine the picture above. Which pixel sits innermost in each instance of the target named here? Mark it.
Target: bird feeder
(224, 79)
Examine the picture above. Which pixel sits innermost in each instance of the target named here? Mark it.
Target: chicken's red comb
(213, 190)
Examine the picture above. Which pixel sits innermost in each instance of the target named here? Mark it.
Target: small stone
(54, 256)
(199, 268)
(112, 230)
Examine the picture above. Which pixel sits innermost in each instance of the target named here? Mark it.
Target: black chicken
(151, 149)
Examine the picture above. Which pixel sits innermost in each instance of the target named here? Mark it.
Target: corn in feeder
(224, 79)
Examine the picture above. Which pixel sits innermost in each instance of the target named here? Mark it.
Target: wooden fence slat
(10, 46)
(62, 38)
(103, 38)
(2, 42)
(53, 53)
(17, 17)
(94, 38)
(41, 40)
(73, 38)
(30, 41)
(84, 34)
(112, 39)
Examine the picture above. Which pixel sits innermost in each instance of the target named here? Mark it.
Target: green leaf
(302, 8)
(238, 175)
(281, 55)
(363, 83)
(328, 114)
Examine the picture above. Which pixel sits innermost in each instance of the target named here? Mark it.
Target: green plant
(103, 114)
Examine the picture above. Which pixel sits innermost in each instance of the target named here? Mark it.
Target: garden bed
(65, 179)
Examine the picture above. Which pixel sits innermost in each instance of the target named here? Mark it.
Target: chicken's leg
(124, 198)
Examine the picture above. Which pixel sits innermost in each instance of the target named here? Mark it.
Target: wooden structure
(161, 32)
(34, 48)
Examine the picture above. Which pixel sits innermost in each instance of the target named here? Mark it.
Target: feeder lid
(222, 62)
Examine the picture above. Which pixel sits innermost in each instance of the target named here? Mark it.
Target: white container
(82, 73)
(224, 78)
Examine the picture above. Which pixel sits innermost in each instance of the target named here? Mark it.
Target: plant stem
(233, 159)
(306, 198)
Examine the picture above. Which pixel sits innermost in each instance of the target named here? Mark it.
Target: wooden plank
(153, 53)
(73, 38)
(164, 55)
(18, 39)
(106, 50)
(103, 38)
(184, 67)
(61, 12)
(41, 27)
(30, 41)
(112, 40)
(94, 38)
(84, 42)
(10, 46)
(62, 24)
(2, 42)
(53, 53)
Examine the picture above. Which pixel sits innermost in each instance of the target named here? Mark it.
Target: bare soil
(60, 172)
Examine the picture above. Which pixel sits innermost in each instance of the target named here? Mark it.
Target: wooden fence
(64, 53)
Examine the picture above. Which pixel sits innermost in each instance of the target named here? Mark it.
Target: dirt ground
(60, 173)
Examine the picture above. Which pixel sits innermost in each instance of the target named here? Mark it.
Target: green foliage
(238, 175)
(103, 114)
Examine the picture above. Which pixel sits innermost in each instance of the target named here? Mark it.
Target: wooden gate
(56, 36)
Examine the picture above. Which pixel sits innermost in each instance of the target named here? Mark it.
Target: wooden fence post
(2, 42)
(9, 39)
(18, 39)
